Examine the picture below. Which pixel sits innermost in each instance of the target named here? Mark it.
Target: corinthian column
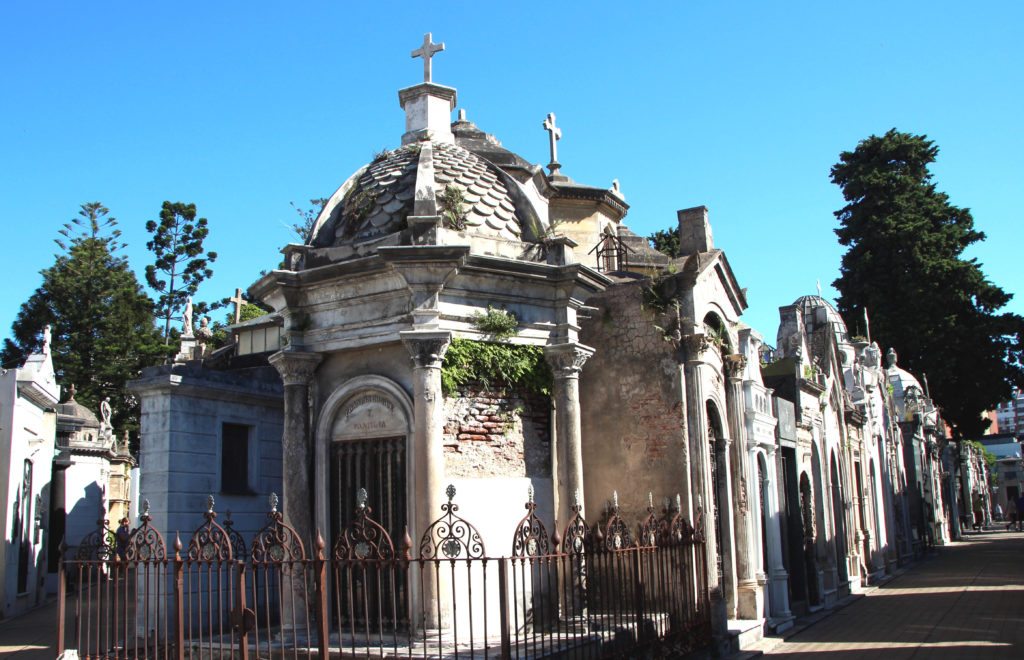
(566, 362)
(296, 369)
(750, 599)
(427, 348)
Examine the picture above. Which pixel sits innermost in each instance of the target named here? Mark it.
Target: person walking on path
(1011, 513)
(1020, 510)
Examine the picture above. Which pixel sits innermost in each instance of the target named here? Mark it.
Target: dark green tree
(102, 321)
(666, 241)
(904, 263)
(177, 244)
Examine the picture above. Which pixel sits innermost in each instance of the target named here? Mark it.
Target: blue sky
(243, 107)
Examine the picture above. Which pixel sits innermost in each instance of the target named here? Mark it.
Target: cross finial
(238, 301)
(554, 135)
(426, 51)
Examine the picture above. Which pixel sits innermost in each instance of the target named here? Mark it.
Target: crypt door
(365, 434)
(379, 466)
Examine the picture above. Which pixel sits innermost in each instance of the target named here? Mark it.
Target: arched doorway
(807, 517)
(717, 483)
(840, 520)
(763, 492)
(363, 442)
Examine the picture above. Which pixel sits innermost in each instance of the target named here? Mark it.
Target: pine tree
(177, 244)
(666, 241)
(102, 322)
(905, 265)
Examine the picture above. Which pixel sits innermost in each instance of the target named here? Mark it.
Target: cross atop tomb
(426, 51)
(238, 301)
(554, 135)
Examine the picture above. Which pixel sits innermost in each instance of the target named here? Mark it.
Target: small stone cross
(426, 51)
(554, 135)
(238, 301)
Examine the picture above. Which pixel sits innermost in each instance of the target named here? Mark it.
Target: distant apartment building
(1010, 415)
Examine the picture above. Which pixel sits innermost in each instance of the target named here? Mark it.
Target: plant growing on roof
(498, 324)
(517, 366)
(452, 208)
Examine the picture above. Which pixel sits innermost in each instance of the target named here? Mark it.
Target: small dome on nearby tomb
(378, 199)
(809, 304)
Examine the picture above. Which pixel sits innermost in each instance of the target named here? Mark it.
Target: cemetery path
(966, 603)
(30, 636)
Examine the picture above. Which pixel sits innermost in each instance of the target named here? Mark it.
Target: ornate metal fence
(603, 591)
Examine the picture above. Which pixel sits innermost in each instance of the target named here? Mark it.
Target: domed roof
(808, 305)
(379, 198)
(73, 410)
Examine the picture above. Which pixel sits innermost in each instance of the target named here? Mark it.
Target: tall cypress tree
(905, 265)
(102, 321)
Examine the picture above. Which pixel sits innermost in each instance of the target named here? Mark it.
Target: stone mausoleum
(627, 376)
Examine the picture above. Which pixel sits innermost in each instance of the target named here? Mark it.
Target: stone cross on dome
(238, 301)
(554, 135)
(426, 51)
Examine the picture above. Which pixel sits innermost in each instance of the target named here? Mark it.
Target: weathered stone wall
(497, 433)
(632, 402)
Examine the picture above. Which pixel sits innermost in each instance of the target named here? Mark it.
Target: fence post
(638, 590)
(320, 589)
(61, 598)
(179, 601)
(506, 642)
(240, 622)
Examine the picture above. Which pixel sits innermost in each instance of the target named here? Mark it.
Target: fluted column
(566, 362)
(296, 369)
(427, 349)
(749, 592)
(778, 577)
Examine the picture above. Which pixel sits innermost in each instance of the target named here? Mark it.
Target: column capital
(567, 359)
(735, 364)
(295, 367)
(427, 347)
(695, 345)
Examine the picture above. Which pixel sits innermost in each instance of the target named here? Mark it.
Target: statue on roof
(186, 318)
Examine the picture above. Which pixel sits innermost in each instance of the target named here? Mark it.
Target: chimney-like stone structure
(695, 231)
(428, 112)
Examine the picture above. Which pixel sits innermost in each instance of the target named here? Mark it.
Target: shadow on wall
(83, 517)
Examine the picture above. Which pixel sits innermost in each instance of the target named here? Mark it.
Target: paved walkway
(31, 636)
(968, 602)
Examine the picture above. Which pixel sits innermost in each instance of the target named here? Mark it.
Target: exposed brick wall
(497, 433)
(633, 409)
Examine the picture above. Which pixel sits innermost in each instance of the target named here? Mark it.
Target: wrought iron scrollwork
(364, 538)
(616, 531)
(577, 532)
(650, 526)
(98, 545)
(146, 542)
(277, 542)
(450, 536)
(675, 528)
(531, 537)
(210, 541)
(234, 537)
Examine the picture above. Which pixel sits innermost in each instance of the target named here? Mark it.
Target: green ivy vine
(495, 364)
